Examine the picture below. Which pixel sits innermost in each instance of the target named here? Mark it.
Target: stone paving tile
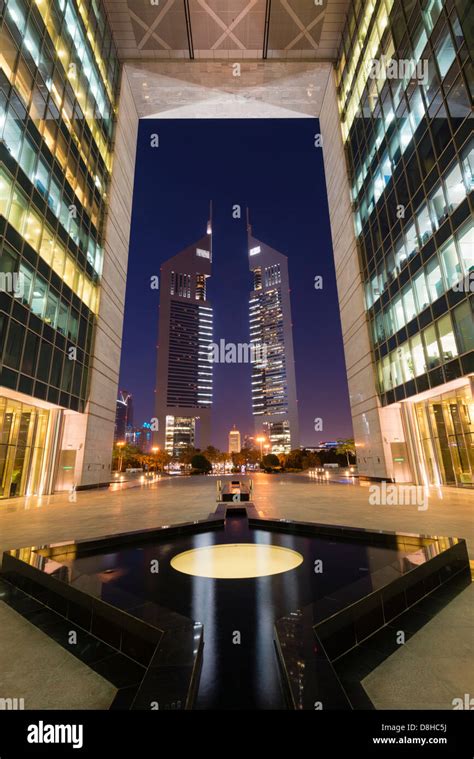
(435, 666)
(45, 675)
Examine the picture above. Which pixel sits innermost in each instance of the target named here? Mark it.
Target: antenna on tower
(209, 223)
(249, 228)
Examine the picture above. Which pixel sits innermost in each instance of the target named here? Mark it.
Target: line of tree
(195, 461)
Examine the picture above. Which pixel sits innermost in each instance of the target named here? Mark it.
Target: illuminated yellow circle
(236, 561)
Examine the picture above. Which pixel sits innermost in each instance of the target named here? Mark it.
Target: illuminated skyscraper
(274, 403)
(184, 372)
(234, 441)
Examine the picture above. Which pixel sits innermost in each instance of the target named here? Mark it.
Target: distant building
(234, 441)
(249, 441)
(184, 372)
(141, 437)
(274, 404)
(123, 415)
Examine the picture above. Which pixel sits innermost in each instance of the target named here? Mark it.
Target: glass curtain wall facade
(274, 403)
(59, 78)
(405, 79)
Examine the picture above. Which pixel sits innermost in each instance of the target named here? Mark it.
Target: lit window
(465, 241)
(434, 279)
(450, 263)
(409, 303)
(455, 189)
(446, 338)
(418, 356)
(433, 357)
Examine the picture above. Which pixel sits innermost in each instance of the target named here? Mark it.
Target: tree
(270, 461)
(162, 459)
(250, 455)
(311, 459)
(294, 460)
(213, 454)
(125, 456)
(201, 464)
(223, 458)
(346, 448)
(146, 461)
(186, 454)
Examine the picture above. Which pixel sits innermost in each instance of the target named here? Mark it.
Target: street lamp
(155, 450)
(120, 461)
(261, 440)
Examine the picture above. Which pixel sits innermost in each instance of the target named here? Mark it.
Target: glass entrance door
(446, 432)
(22, 442)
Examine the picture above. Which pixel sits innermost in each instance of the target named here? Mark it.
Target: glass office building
(274, 402)
(58, 86)
(405, 80)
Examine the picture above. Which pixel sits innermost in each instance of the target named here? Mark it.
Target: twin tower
(187, 353)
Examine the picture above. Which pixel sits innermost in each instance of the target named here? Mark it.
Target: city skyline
(168, 216)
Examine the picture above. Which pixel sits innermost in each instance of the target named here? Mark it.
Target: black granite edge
(395, 572)
(321, 681)
(374, 619)
(344, 531)
(375, 649)
(82, 547)
(125, 631)
(354, 622)
(129, 637)
(123, 672)
(172, 676)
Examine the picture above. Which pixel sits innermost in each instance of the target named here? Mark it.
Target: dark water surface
(234, 675)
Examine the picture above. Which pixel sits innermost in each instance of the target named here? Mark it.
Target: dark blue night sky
(273, 166)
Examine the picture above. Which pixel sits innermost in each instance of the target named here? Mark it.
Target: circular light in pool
(236, 561)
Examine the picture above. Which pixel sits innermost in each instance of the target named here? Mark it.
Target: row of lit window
(14, 205)
(65, 31)
(426, 287)
(457, 183)
(382, 102)
(33, 291)
(408, 125)
(42, 177)
(358, 70)
(457, 261)
(108, 72)
(435, 345)
(355, 85)
(48, 106)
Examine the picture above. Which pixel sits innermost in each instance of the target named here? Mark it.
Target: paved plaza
(433, 668)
